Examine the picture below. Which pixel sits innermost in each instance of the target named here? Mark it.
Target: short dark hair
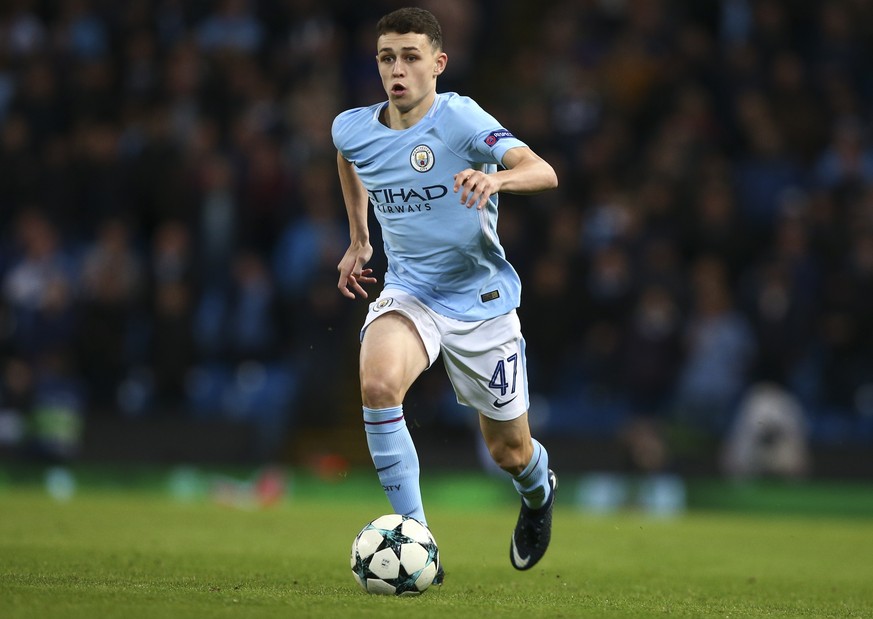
(412, 19)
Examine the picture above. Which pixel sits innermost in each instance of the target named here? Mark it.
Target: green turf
(142, 554)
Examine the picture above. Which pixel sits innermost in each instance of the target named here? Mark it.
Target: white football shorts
(484, 359)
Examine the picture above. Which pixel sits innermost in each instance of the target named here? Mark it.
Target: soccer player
(432, 165)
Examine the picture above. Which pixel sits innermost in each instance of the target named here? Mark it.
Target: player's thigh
(392, 357)
(486, 365)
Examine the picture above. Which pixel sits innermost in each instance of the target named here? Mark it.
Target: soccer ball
(394, 555)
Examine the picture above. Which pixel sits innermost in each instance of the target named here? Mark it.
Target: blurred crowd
(170, 218)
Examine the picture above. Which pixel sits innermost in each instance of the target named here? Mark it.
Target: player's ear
(439, 64)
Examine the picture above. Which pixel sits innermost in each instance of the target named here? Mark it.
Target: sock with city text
(533, 482)
(395, 459)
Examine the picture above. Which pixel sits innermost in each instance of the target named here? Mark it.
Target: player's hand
(476, 187)
(352, 272)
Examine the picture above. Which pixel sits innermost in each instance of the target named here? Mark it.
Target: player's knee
(379, 392)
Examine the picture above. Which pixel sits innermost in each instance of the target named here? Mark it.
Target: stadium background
(170, 224)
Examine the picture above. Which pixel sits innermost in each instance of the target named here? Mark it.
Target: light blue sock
(533, 482)
(395, 458)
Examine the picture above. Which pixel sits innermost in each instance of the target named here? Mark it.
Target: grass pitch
(137, 554)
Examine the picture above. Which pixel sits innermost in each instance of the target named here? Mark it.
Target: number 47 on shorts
(504, 379)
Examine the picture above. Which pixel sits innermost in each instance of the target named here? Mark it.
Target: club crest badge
(422, 158)
(383, 303)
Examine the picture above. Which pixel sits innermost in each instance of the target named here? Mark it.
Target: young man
(428, 163)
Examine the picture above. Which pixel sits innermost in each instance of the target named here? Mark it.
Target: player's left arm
(525, 172)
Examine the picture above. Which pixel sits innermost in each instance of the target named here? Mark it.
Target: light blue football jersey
(444, 253)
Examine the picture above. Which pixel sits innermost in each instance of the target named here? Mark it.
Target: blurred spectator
(652, 351)
(839, 40)
(172, 255)
(846, 331)
(141, 80)
(719, 350)
(20, 182)
(112, 284)
(308, 245)
(81, 31)
(783, 291)
(847, 161)
(16, 404)
(59, 409)
(232, 27)
(38, 290)
(172, 350)
(304, 263)
(218, 219)
(7, 85)
(160, 186)
(644, 446)
(97, 190)
(797, 108)
(243, 320)
(41, 100)
(610, 284)
(714, 226)
(25, 34)
(766, 172)
(552, 318)
(266, 192)
(186, 73)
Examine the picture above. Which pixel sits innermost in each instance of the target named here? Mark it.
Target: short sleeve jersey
(440, 251)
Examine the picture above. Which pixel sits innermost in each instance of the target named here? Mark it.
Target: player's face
(409, 66)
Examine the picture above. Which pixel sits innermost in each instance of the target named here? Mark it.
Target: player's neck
(394, 117)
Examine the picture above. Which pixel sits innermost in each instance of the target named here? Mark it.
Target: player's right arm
(351, 268)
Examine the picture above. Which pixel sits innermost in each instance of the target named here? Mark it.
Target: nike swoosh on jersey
(519, 561)
(499, 404)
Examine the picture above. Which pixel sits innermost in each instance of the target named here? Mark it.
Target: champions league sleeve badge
(492, 138)
(422, 158)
